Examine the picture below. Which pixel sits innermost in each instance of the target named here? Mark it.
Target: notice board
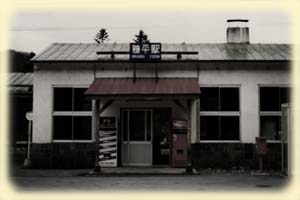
(108, 141)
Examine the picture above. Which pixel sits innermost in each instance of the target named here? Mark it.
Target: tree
(141, 38)
(20, 61)
(101, 36)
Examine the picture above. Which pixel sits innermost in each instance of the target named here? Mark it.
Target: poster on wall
(108, 142)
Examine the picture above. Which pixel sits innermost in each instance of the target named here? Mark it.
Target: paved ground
(36, 180)
(151, 183)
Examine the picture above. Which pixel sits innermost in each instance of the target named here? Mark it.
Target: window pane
(209, 128)
(209, 99)
(229, 98)
(270, 127)
(137, 126)
(62, 127)
(284, 95)
(62, 99)
(124, 124)
(82, 128)
(81, 103)
(269, 99)
(230, 127)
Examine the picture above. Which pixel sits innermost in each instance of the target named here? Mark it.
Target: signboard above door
(145, 52)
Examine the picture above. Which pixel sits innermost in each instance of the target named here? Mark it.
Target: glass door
(137, 137)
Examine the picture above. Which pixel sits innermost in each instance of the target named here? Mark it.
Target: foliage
(101, 36)
(141, 38)
(20, 61)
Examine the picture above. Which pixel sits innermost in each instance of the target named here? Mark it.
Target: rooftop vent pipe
(237, 33)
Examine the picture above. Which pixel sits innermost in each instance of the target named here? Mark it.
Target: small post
(29, 117)
(156, 72)
(189, 156)
(95, 108)
(134, 72)
(260, 164)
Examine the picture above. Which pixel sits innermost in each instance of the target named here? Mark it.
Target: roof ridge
(206, 51)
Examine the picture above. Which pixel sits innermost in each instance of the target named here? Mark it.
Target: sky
(35, 31)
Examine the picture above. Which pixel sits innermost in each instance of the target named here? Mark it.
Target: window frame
(145, 141)
(271, 113)
(70, 113)
(221, 113)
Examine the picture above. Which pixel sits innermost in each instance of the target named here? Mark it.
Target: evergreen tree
(101, 36)
(141, 38)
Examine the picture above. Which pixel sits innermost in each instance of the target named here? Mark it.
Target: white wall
(43, 82)
(249, 82)
(83, 75)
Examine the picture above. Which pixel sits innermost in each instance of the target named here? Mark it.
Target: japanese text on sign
(145, 51)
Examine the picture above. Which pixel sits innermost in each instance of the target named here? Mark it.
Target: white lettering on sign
(136, 49)
(145, 51)
(145, 48)
(154, 56)
(138, 56)
(155, 48)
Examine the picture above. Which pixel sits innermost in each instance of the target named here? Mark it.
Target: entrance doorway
(145, 136)
(161, 136)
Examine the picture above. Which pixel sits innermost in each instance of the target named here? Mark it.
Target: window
(136, 125)
(72, 116)
(270, 127)
(219, 113)
(270, 101)
(63, 99)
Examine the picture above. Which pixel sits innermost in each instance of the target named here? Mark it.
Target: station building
(199, 105)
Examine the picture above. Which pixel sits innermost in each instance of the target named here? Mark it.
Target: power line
(87, 28)
(76, 28)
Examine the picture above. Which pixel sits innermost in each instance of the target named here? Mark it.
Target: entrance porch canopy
(122, 88)
(113, 87)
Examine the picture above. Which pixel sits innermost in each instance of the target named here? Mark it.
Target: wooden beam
(156, 72)
(106, 105)
(180, 52)
(162, 52)
(198, 119)
(112, 52)
(142, 96)
(134, 72)
(189, 156)
(179, 104)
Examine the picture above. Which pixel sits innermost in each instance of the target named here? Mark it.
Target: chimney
(236, 33)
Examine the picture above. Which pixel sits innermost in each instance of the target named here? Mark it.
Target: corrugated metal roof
(20, 83)
(144, 86)
(206, 52)
(20, 79)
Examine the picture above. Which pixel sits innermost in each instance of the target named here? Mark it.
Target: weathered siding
(50, 75)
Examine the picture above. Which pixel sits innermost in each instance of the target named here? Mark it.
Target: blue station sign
(145, 52)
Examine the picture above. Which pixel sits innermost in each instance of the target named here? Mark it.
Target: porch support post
(198, 119)
(95, 110)
(189, 156)
(195, 120)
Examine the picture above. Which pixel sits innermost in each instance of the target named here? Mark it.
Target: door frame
(128, 143)
(169, 109)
